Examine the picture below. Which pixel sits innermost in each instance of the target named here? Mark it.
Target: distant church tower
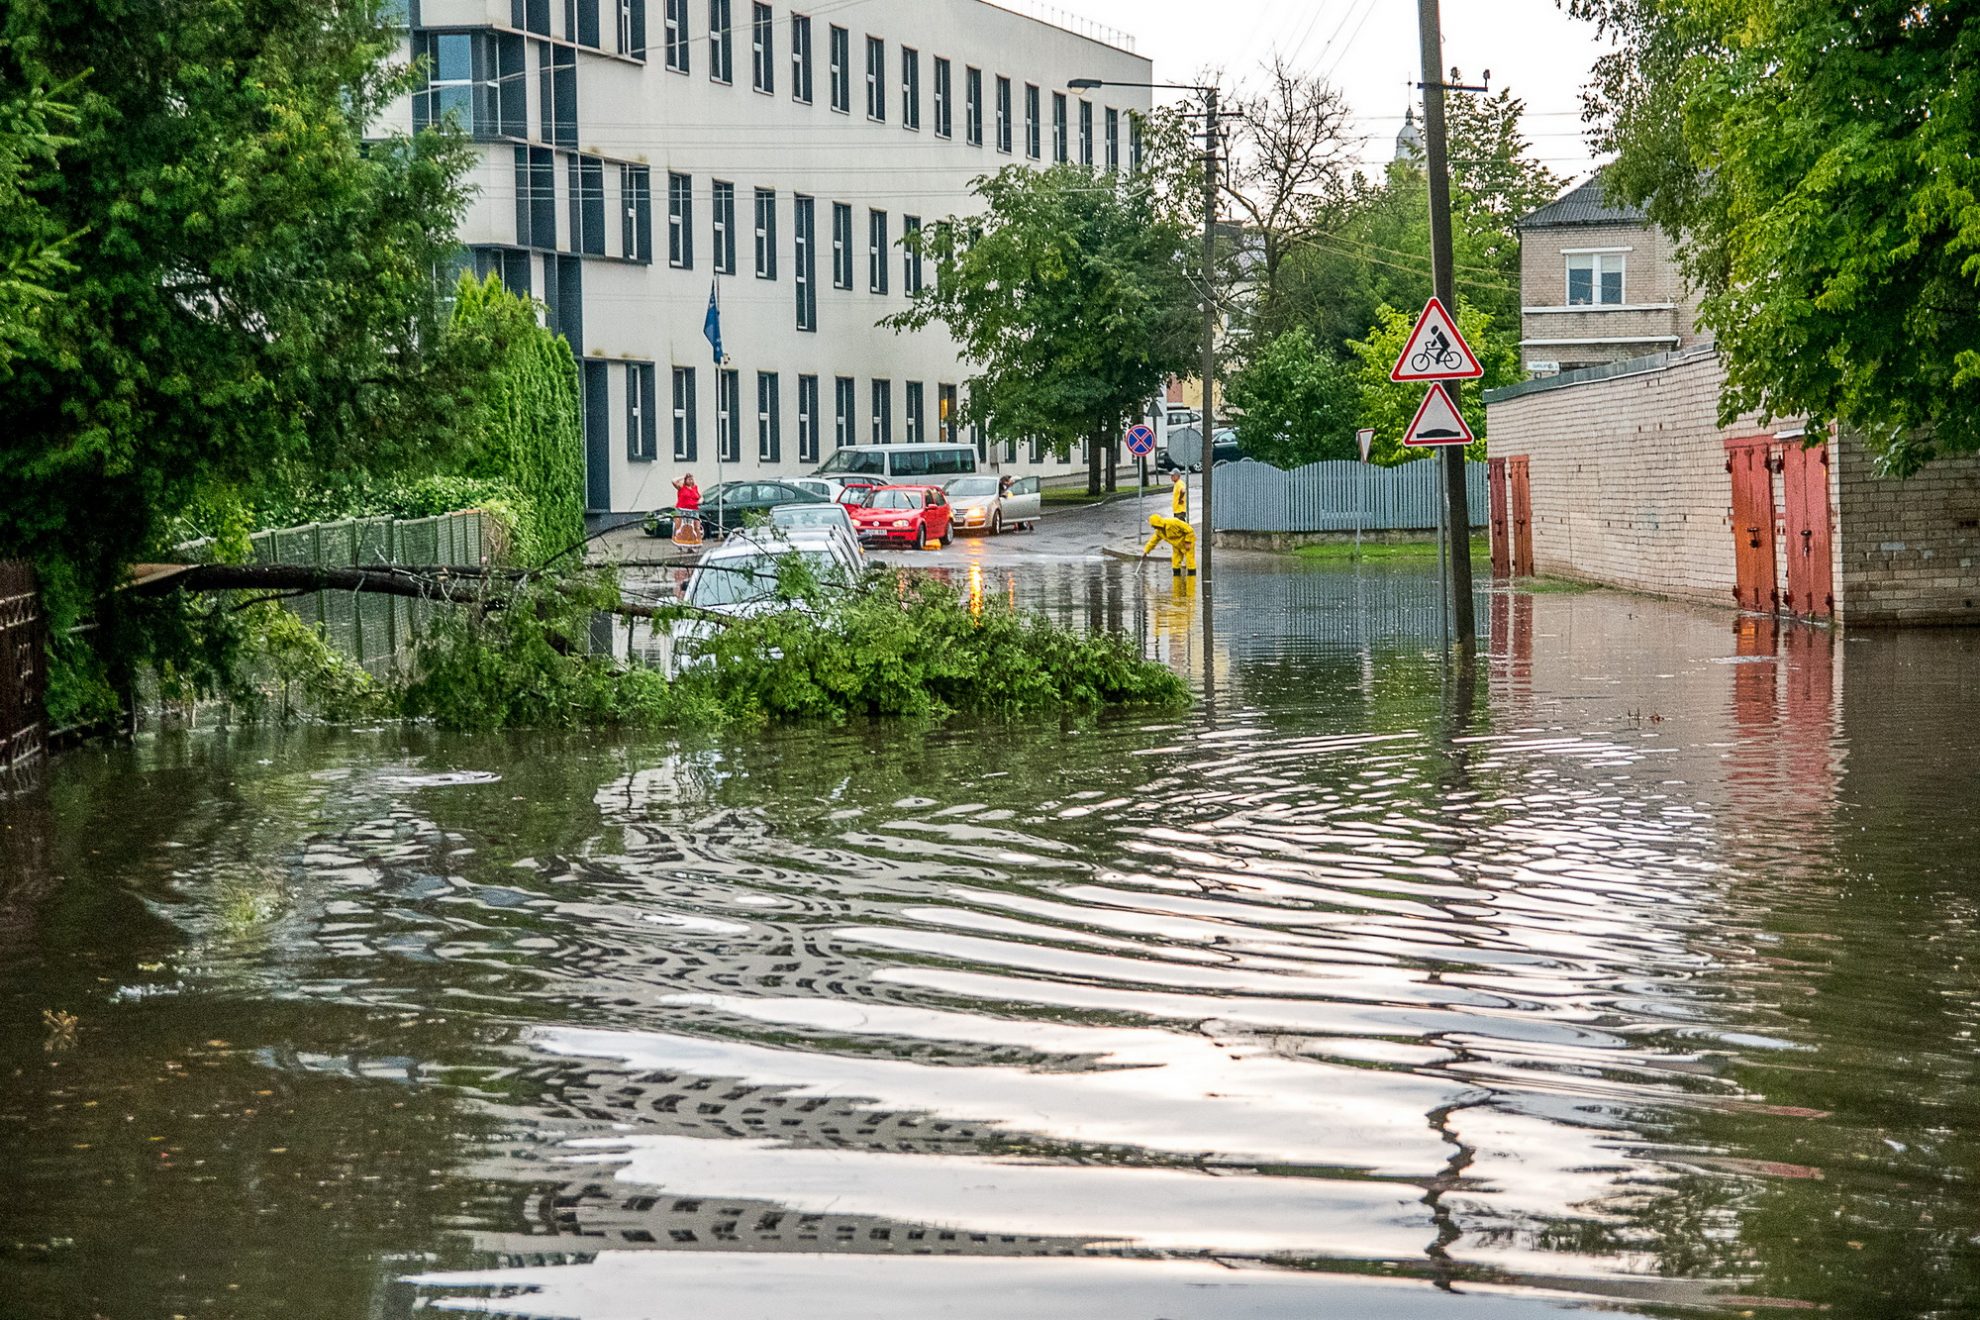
(1409, 140)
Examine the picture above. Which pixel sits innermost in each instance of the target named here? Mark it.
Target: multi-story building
(640, 157)
(1598, 283)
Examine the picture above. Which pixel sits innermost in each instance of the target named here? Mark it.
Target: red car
(903, 515)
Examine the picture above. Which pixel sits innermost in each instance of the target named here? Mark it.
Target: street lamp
(1209, 426)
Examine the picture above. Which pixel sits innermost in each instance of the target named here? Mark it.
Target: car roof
(774, 541)
(910, 485)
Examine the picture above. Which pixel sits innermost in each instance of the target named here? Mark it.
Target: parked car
(832, 517)
(981, 504)
(904, 515)
(726, 507)
(740, 578)
(1184, 452)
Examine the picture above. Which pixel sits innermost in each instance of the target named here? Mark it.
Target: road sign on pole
(1141, 439)
(1436, 351)
(1365, 440)
(1437, 421)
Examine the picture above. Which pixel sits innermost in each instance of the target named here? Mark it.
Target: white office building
(637, 154)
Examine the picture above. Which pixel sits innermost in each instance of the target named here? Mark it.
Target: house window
(1595, 279)
(801, 58)
(632, 28)
(766, 234)
(721, 43)
(680, 221)
(725, 228)
(728, 416)
(769, 417)
(805, 251)
(642, 421)
(883, 412)
(842, 245)
(973, 107)
(1086, 134)
(914, 435)
(945, 413)
(1004, 115)
(911, 254)
(636, 225)
(838, 50)
(876, 251)
(1058, 128)
(910, 89)
(943, 121)
(807, 419)
(686, 427)
(676, 25)
(845, 392)
(1113, 140)
(1031, 121)
(762, 50)
(876, 79)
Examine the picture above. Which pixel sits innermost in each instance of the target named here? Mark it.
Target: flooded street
(1636, 970)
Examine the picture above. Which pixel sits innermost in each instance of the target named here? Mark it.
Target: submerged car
(744, 576)
(984, 504)
(732, 504)
(903, 515)
(832, 517)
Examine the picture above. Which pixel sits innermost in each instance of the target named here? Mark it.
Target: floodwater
(1637, 971)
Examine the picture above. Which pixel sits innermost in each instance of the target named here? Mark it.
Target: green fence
(376, 630)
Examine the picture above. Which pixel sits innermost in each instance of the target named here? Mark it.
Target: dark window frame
(838, 52)
(842, 241)
(801, 58)
(762, 48)
(721, 42)
(766, 233)
(876, 251)
(1003, 114)
(686, 422)
(680, 221)
(973, 106)
(944, 98)
(807, 419)
(769, 417)
(876, 79)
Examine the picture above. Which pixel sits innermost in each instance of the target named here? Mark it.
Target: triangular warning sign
(1437, 421)
(1436, 351)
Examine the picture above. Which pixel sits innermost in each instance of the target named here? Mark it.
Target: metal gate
(1520, 490)
(1805, 501)
(23, 667)
(1495, 481)
(1755, 585)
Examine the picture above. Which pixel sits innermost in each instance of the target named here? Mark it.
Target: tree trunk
(455, 585)
(1111, 435)
(1093, 461)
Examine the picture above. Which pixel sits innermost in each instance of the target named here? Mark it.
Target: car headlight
(900, 522)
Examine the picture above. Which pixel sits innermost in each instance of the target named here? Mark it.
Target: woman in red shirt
(687, 511)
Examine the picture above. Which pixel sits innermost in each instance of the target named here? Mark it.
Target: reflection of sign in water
(1437, 421)
(1436, 351)
(1141, 440)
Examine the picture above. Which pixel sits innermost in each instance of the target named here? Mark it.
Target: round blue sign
(1141, 440)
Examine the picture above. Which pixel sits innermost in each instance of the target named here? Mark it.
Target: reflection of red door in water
(1805, 495)
(1522, 516)
(1752, 523)
(1495, 483)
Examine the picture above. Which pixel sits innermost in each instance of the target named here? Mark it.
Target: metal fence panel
(1336, 496)
(23, 667)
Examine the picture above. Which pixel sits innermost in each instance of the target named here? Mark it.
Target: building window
(842, 245)
(876, 251)
(587, 23)
(557, 94)
(680, 221)
(914, 435)
(839, 53)
(725, 228)
(675, 26)
(1031, 121)
(728, 416)
(973, 107)
(845, 392)
(636, 225)
(762, 50)
(945, 413)
(632, 28)
(876, 79)
(642, 421)
(1058, 128)
(477, 79)
(1113, 140)
(1004, 114)
(944, 125)
(721, 43)
(536, 197)
(1134, 143)
(590, 205)
(1595, 279)
(801, 58)
(769, 418)
(807, 419)
(686, 424)
(1086, 134)
(910, 89)
(766, 234)
(805, 250)
(883, 412)
(911, 254)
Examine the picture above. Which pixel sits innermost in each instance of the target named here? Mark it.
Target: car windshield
(894, 499)
(808, 515)
(852, 460)
(967, 486)
(716, 494)
(742, 579)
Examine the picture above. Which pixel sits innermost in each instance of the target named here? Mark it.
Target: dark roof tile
(1583, 205)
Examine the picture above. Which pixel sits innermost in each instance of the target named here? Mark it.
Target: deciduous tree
(1299, 404)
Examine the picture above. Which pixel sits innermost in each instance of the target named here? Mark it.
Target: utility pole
(1209, 334)
(1457, 505)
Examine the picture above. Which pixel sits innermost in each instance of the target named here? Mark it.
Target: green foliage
(31, 239)
(1299, 404)
(1822, 161)
(1070, 294)
(1389, 407)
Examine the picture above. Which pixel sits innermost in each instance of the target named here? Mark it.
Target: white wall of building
(633, 113)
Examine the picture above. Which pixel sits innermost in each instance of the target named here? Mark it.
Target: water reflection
(1636, 966)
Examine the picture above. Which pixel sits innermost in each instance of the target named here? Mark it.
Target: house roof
(1583, 205)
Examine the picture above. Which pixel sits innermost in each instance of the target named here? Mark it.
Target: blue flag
(711, 325)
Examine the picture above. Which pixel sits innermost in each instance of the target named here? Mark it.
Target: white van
(897, 465)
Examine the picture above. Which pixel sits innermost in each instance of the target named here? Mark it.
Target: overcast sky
(1369, 49)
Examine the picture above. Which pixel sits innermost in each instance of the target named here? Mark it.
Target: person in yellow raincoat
(1179, 497)
(1182, 543)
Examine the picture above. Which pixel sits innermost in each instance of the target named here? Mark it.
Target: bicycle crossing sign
(1141, 440)
(1436, 351)
(1437, 421)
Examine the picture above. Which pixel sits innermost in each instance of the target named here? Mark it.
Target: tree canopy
(1072, 296)
(1822, 162)
(1298, 404)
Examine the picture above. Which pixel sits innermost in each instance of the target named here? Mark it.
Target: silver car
(982, 503)
(829, 517)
